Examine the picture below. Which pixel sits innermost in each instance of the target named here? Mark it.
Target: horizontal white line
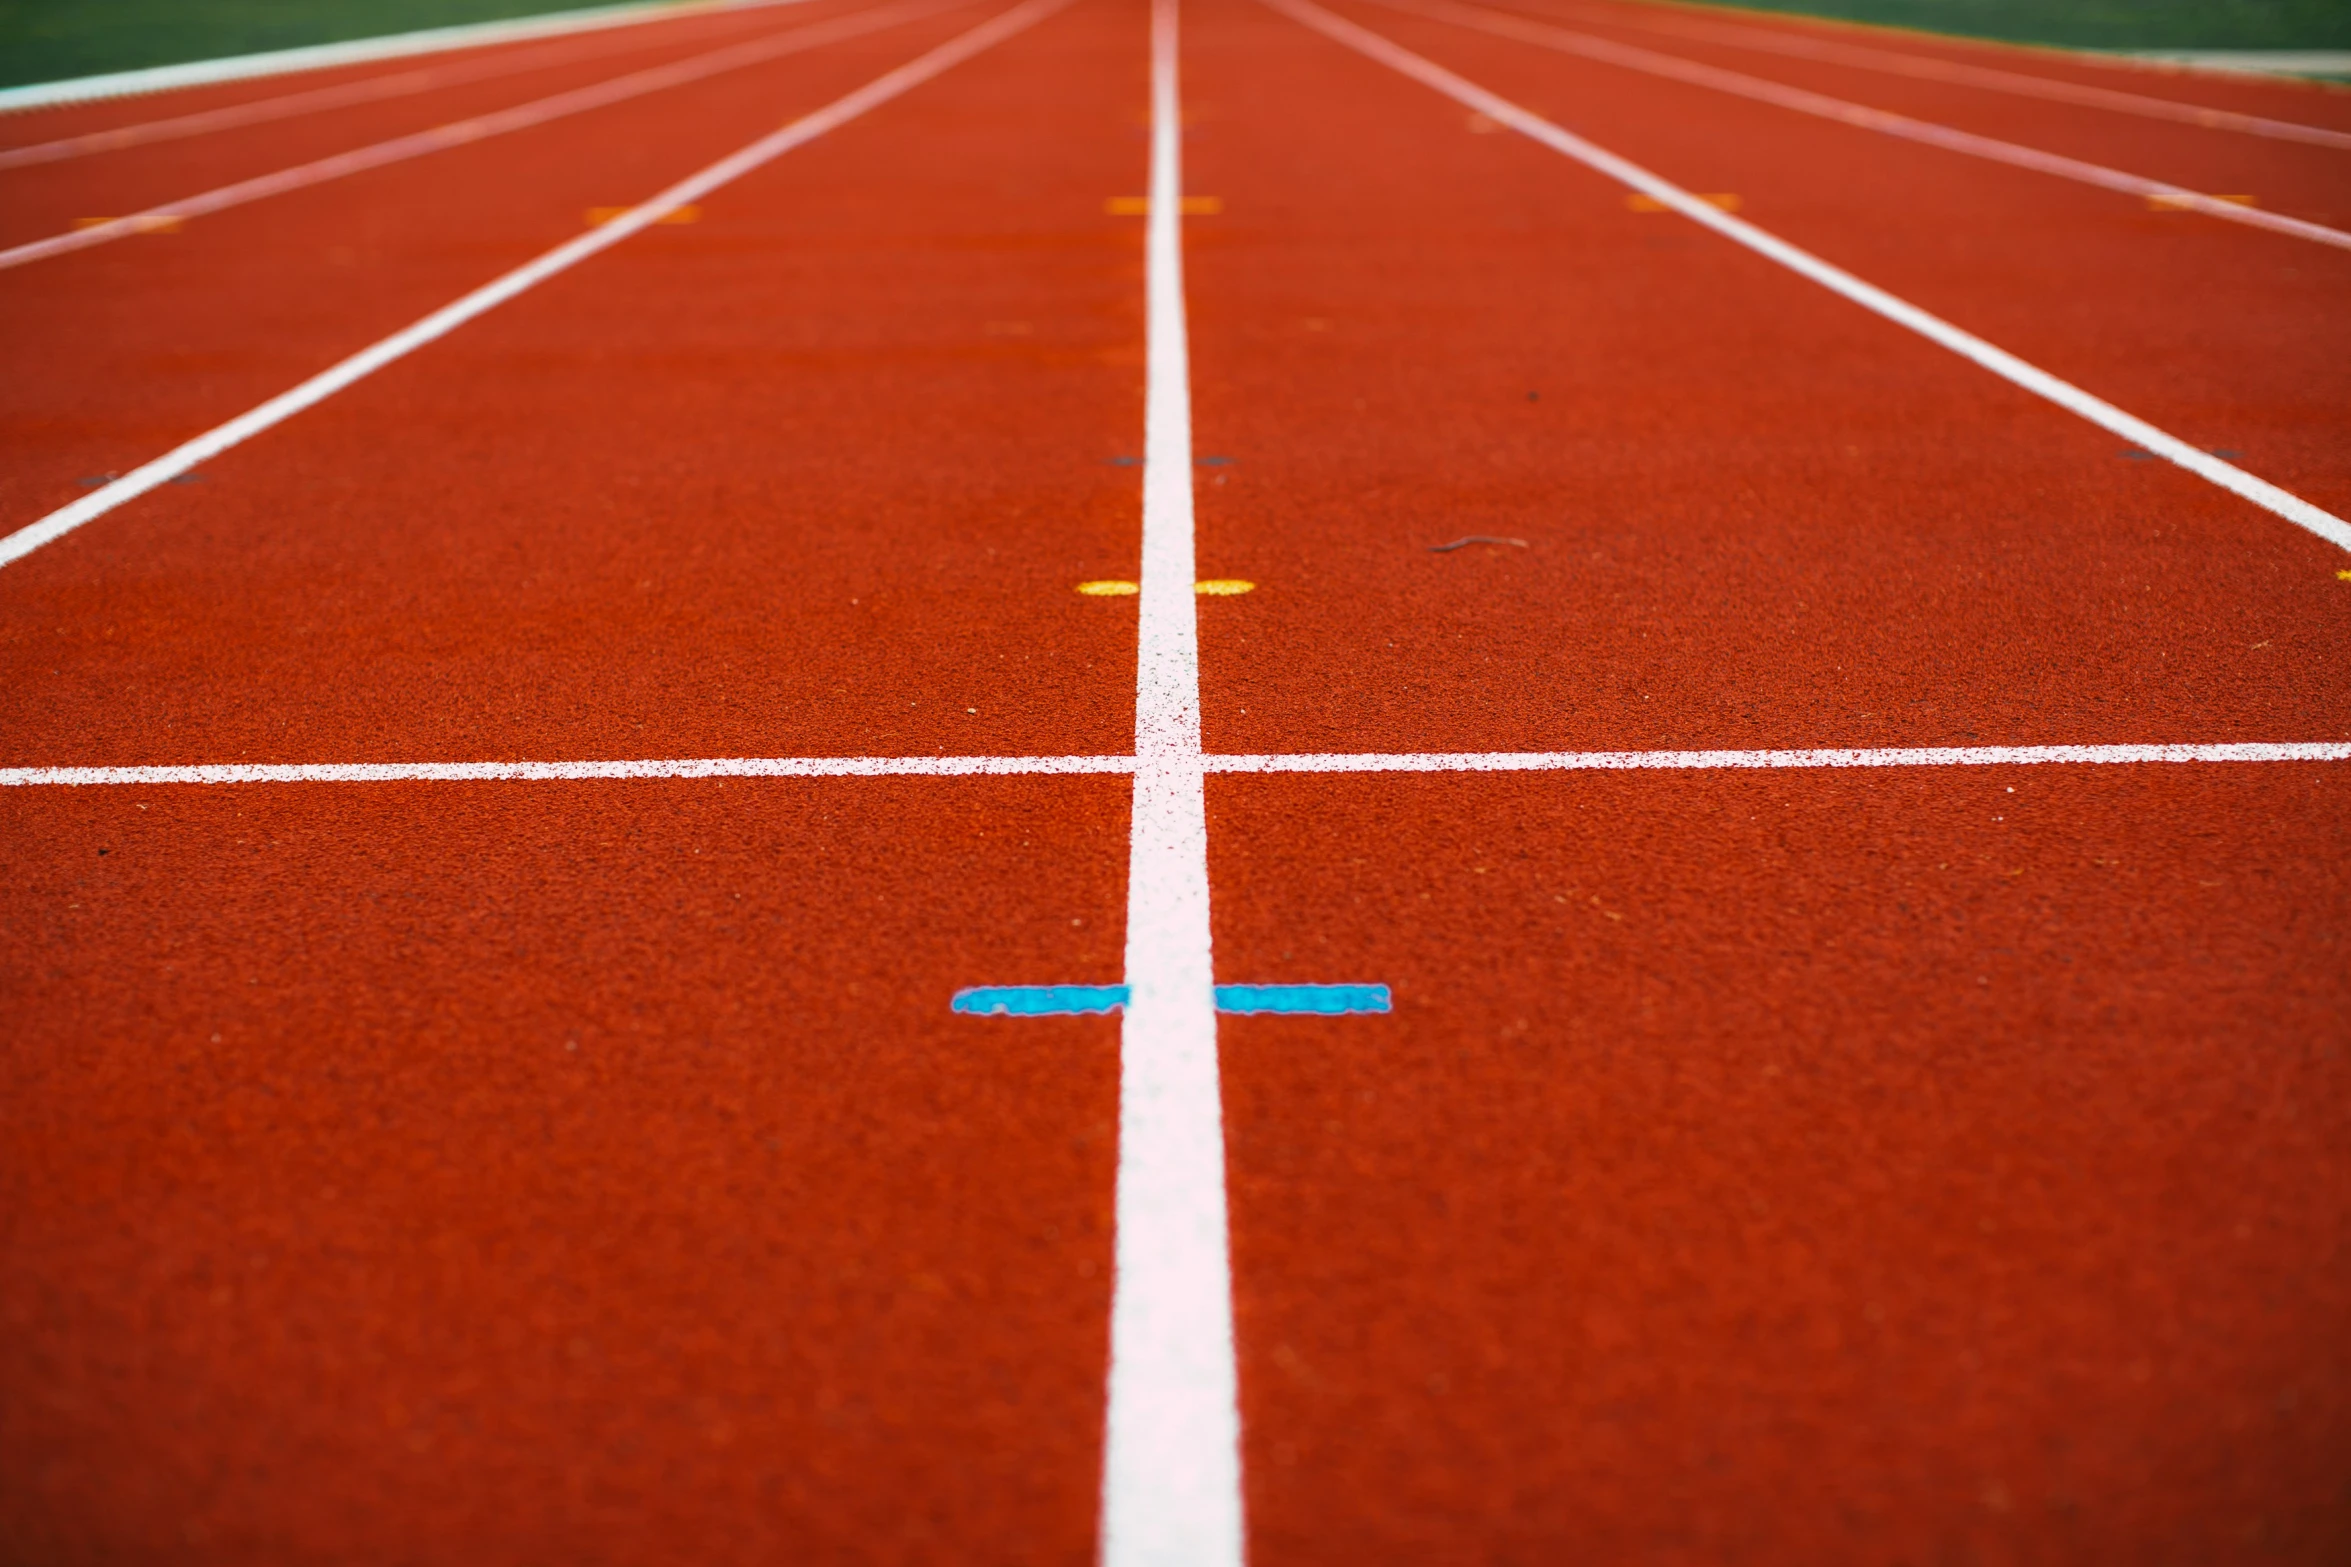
(1999, 361)
(1808, 46)
(1294, 762)
(569, 772)
(1673, 67)
(461, 133)
(356, 51)
(1703, 761)
(189, 454)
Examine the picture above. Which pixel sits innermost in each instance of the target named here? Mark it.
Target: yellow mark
(1483, 125)
(1140, 206)
(599, 216)
(1724, 199)
(2188, 203)
(151, 223)
(1110, 590)
(2343, 576)
(1223, 587)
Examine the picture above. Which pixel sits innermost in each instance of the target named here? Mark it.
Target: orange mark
(1723, 199)
(599, 216)
(2188, 203)
(1140, 206)
(146, 223)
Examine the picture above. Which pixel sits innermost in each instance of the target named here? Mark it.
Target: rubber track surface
(1910, 1165)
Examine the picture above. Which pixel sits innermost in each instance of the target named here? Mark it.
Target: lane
(811, 476)
(1809, 1165)
(124, 353)
(116, 125)
(24, 128)
(141, 204)
(2280, 108)
(1756, 516)
(2229, 339)
(814, 474)
(1942, 133)
(2306, 178)
(1798, 1167)
(455, 1173)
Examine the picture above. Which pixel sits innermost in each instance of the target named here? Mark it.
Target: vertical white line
(1171, 1474)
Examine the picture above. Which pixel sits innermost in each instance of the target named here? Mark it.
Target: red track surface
(1915, 1165)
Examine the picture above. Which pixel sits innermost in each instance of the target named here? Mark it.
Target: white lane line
(489, 296)
(460, 133)
(369, 89)
(1934, 69)
(2217, 753)
(567, 772)
(1704, 761)
(358, 51)
(1869, 296)
(1631, 57)
(1171, 1467)
(2251, 62)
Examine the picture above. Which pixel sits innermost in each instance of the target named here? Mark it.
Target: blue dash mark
(1320, 1000)
(1040, 1000)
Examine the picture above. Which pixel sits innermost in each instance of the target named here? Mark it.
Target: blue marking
(1040, 1000)
(1319, 1000)
(1247, 1000)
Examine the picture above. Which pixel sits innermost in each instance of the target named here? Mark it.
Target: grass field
(48, 40)
(2108, 24)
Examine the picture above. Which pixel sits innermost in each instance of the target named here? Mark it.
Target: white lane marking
(1869, 296)
(358, 51)
(568, 772)
(1935, 69)
(1703, 761)
(1171, 1465)
(1633, 58)
(2251, 62)
(460, 133)
(489, 296)
(2225, 752)
(367, 89)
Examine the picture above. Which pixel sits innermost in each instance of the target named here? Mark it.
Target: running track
(1944, 1154)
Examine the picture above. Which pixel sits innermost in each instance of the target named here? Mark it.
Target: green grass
(48, 40)
(2107, 24)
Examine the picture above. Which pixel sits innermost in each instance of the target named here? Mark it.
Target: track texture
(1916, 1164)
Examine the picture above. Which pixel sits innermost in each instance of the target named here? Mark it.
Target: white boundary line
(2225, 752)
(489, 296)
(357, 51)
(1630, 57)
(313, 100)
(2248, 62)
(1869, 296)
(1707, 761)
(570, 772)
(460, 133)
(1171, 1463)
(1933, 68)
